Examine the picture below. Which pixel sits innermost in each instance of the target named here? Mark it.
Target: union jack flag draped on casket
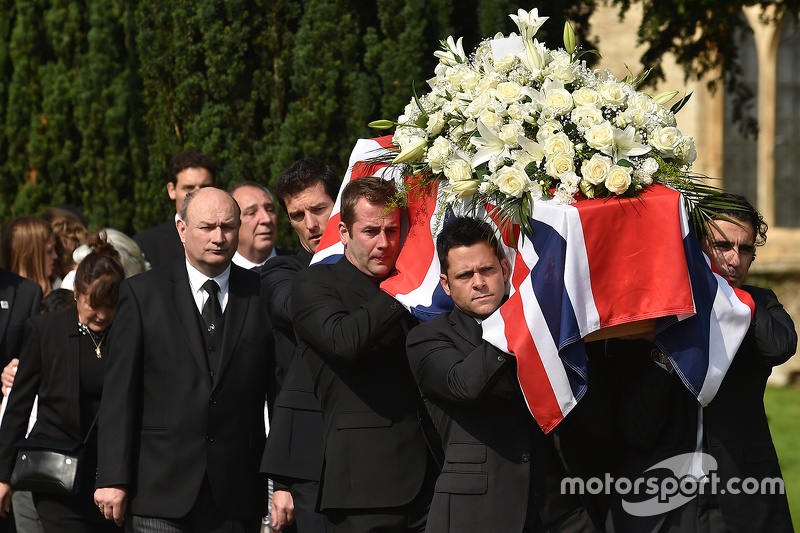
(585, 266)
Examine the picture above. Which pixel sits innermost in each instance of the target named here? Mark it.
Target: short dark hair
(303, 174)
(251, 183)
(376, 191)
(745, 213)
(55, 300)
(190, 159)
(464, 231)
(100, 274)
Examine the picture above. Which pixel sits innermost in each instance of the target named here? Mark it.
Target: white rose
(478, 104)
(613, 93)
(516, 112)
(471, 80)
(547, 129)
(457, 170)
(505, 63)
(600, 137)
(587, 96)
(586, 116)
(665, 140)
(560, 100)
(643, 103)
(559, 164)
(563, 72)
(489, 118)
(435, 123)
(558, 143)
(686, 152)
(486, 84)
(594, 170)
(509, 92)
(637, 117)
(510, 132)
(666, 116)
(512, 181)
(618, 179)
(438, 154)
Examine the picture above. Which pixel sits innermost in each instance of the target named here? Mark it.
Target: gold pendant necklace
(98, 344)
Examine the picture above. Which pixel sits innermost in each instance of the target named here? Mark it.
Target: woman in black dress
(63, 361)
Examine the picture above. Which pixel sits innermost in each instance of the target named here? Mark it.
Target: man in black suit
(188, 171)
(181, 427)
(19, 300)
(501, 473)
(293, 455)
(377, 471)
(661, 419)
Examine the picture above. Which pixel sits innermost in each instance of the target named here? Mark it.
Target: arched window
(740, 152)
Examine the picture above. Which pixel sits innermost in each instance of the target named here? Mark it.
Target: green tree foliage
(702, 37)
(97, 95)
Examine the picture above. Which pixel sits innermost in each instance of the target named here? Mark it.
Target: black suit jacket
(161, 244)
(658, 417)
(49, 366)
(166, 419)
(23, 298)
(352, 337)
(294, 445)
(495, 454)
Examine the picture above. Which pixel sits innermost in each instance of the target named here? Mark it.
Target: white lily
(625, 145)
(413, 151)
(453, 52)
(528, 22)
(535, 58)
(533, 148)
(489, 145)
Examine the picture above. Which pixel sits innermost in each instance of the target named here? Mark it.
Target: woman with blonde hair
(29, 250)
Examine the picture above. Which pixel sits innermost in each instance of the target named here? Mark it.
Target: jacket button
(393, 307)
(526, 457)
(501, 358)
(209, 439)
(211, 350)
(211, 374)
(213, 401)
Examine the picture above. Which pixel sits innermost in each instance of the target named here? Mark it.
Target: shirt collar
(242, 261)
(197, 278)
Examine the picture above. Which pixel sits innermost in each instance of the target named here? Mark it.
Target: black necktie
(212, 311)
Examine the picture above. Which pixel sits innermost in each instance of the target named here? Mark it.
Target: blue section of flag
(547, 280)
(687, 341)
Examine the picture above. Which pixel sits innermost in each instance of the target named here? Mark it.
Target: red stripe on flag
(331, 234)
(418, 250)
(532, 375)
(745, 298)
(633, 275)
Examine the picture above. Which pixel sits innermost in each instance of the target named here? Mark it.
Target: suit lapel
(354, 279)
(466, 327)
(235, 315)
(185, 311)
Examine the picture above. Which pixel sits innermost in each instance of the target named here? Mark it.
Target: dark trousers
(204, 517)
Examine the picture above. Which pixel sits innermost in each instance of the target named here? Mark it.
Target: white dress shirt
(196, 280)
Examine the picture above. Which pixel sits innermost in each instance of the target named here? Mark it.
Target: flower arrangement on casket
(516, 121)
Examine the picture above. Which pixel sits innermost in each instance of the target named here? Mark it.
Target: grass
(783, 411)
